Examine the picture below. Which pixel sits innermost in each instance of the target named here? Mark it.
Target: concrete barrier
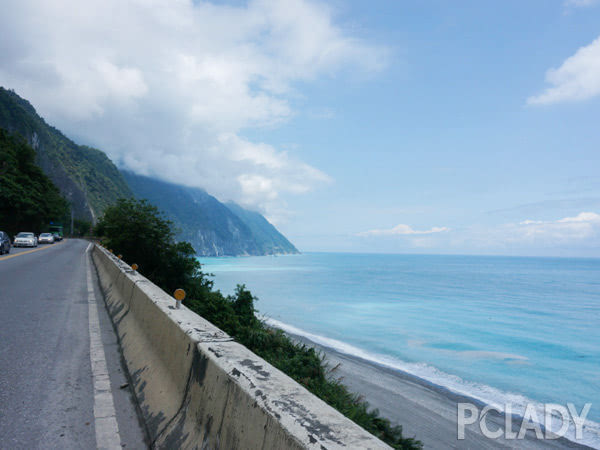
(197, 388)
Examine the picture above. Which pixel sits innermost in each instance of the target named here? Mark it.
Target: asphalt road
(48, 395)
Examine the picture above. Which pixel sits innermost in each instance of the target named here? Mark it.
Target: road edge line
(105, 417)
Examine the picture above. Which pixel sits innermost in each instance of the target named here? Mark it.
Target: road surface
(60, 367)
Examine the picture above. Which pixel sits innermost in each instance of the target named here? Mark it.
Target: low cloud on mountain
(167, 88)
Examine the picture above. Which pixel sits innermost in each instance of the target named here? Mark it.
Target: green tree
(139, 232)
(243, 305)
(28, 198)
(81, 227)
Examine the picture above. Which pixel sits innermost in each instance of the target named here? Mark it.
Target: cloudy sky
(409, 126)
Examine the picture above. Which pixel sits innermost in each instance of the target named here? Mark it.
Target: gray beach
(425, 411)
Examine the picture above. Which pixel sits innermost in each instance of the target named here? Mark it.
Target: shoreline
(425, 410)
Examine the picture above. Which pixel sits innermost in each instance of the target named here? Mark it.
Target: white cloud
(587, 217)
(583, 226)
(168, 88)
(577, 234)
(578, 78)
(122, 82)
(402, 229)
(580, 3)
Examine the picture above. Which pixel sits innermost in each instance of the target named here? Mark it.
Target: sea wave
(480, 392)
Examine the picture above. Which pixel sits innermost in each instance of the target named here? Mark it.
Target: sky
(422, 126)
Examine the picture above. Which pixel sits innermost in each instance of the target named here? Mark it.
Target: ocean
(498, 329)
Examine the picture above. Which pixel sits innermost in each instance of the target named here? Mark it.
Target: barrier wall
(197, 388)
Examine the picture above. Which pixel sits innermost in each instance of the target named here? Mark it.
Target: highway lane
(14, 251)
(47, 391)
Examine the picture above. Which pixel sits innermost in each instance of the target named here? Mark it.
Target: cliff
(213, 228)
(85, 176)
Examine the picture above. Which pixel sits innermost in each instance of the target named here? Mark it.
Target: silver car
(46, 238)
(25, 239)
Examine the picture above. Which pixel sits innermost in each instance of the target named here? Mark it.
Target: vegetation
(138, 231)
(142, 235)
(82, 228)
(72, 167)
(265, 234)
(213, 228)
(28, 199)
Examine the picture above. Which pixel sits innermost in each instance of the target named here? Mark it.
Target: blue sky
(444, 136)
(408, 126)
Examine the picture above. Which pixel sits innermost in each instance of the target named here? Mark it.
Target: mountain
(213, 228)
(86, 177)
(266, 235)
(28, 199)
(90, 182)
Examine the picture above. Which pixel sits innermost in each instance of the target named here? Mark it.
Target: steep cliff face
(267, 237)
(86, 177)
(213, 228)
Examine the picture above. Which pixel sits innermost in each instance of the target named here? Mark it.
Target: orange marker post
(179, 295)
(134, 266)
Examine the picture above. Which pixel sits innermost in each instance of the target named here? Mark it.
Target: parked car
(4, 243)
(25, 239)
(46, 238)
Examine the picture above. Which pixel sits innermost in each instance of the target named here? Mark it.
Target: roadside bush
(139, 232)
(81, 227)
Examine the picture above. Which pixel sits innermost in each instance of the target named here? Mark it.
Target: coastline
(492, 343)
(426, 411)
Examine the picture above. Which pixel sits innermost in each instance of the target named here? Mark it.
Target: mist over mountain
(90, 182)
(213, 228)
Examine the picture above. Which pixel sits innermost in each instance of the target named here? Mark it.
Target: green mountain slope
(86, 177)
(266, 235)
(28, 199)
(212, 228)
(90, 182)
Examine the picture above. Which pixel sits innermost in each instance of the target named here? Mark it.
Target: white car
(46, 238)
(25, 239)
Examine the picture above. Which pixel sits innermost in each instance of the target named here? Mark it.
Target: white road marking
(107, 429)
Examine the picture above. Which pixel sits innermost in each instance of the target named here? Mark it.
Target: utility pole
(71, 221)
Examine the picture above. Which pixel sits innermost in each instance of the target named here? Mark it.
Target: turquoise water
(499, 329)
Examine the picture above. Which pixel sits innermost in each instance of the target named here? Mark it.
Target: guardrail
(197, 388)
